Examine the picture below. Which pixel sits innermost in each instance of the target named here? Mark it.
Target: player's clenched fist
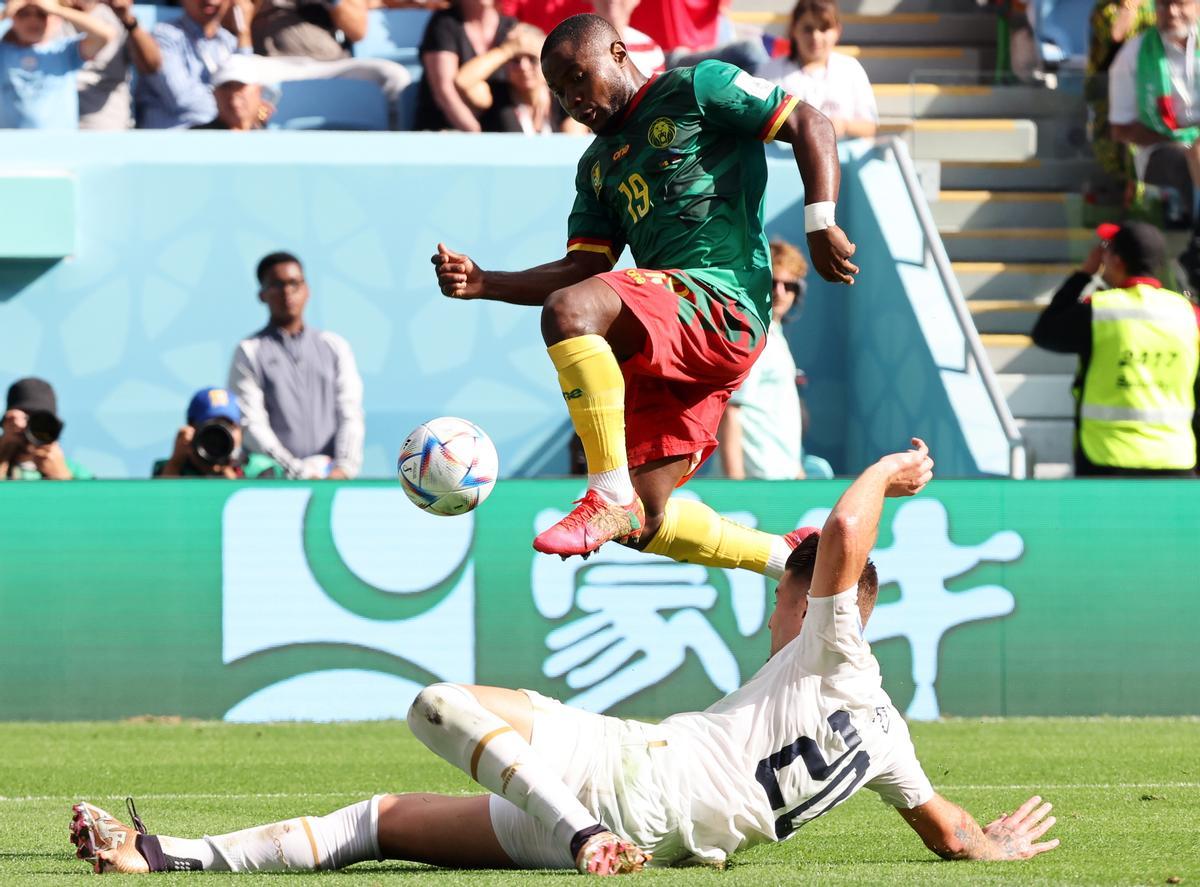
(830, 250)
(458, 277)
(908, 472)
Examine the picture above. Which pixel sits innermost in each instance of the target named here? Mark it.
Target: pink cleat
(606, 854)
(593, 522)
(798, 535)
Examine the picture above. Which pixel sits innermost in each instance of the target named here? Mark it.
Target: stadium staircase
(1003, 167)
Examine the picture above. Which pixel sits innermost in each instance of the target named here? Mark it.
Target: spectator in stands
(105, 98)
(298, 387)
(1154, 106)
(179, 94)
(244, 101)
(453, 37)
(1112, 23)
(690, 31)
(522, 101)
(830, 81)
(29, 432)
(1139, 358)
(38, 63)
(760, 432)
(316, 29)
(544, 14)
(210, 444)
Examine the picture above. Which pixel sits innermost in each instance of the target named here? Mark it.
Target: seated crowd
(220, 64)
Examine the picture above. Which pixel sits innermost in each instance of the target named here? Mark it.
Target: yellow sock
(594, 390)
(693, 533)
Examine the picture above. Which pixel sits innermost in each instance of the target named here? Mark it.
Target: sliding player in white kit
(573, 789)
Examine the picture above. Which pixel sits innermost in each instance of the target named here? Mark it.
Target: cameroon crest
(661, 133)
(597, 180)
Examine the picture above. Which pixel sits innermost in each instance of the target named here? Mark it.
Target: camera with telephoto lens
(213, 443)
(42, 427)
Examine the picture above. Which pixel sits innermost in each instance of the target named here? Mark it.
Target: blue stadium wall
(126, 278)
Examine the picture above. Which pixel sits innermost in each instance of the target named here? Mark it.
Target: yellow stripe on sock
(478, 753)
(312, 842)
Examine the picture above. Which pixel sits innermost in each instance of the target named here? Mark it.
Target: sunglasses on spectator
(792, 286)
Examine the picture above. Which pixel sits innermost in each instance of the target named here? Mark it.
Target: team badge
(597, 180)
(662, 133)
(620, 152)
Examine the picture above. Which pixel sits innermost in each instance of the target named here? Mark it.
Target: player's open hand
(830, 251)
(910, 471)
(458, 277)
(1015, 835)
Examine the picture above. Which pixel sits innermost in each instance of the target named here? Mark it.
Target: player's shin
(693, 533)
(307, 843)
(455, 726)
(594, 390)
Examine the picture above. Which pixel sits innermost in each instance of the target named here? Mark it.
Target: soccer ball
(447, 466)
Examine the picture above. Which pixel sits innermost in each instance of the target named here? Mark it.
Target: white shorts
(621, 771)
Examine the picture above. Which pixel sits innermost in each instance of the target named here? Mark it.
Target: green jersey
(681, 181)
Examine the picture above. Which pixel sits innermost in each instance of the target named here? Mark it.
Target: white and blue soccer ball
(448, 466)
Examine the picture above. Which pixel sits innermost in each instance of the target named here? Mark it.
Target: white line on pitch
(194, 796)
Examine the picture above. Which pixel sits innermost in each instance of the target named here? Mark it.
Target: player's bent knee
(565, 315)
(433, 706)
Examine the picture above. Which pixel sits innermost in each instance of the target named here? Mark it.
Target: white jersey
(803, 735)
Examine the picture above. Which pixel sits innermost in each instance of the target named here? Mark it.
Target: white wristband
(818, 216)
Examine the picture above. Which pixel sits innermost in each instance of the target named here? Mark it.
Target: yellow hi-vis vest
(1138, 396)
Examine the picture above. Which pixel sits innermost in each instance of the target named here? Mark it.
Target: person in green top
(29, 448)
(648, 357)
(210, 444)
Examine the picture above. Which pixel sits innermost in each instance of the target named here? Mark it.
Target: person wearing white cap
(244, 100)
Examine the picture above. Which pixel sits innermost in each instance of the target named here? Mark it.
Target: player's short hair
(580, 31)
(785, 257)
(803, 560)
(269, 261)
(824, 11)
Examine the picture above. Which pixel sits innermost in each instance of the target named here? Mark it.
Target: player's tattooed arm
(952, 833)
(460, 278)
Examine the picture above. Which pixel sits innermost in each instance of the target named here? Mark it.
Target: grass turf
(1126, 793)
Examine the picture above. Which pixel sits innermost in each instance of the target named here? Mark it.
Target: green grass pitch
(1126, 793)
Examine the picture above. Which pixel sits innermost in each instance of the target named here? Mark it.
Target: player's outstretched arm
(460, 278)
(814, 142)
(952, 833)
(853, 525)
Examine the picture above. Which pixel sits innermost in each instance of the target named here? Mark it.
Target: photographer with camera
(29, 447)
(210, 444)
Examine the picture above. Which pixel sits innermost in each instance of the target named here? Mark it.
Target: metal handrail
(1017, 454)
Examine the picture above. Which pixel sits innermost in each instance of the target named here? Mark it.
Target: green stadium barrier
(323, 601)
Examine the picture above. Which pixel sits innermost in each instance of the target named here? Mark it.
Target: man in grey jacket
(299, 387)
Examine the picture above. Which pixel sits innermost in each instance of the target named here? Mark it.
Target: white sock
(777, 559)
(614, 485)
(452, 724)
(307, 843)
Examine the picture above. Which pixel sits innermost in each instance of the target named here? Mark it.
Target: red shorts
(700, 344)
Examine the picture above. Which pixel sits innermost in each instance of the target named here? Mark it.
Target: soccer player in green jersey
(648, 357)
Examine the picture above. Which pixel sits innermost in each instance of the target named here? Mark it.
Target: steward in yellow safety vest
(1139, 350)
